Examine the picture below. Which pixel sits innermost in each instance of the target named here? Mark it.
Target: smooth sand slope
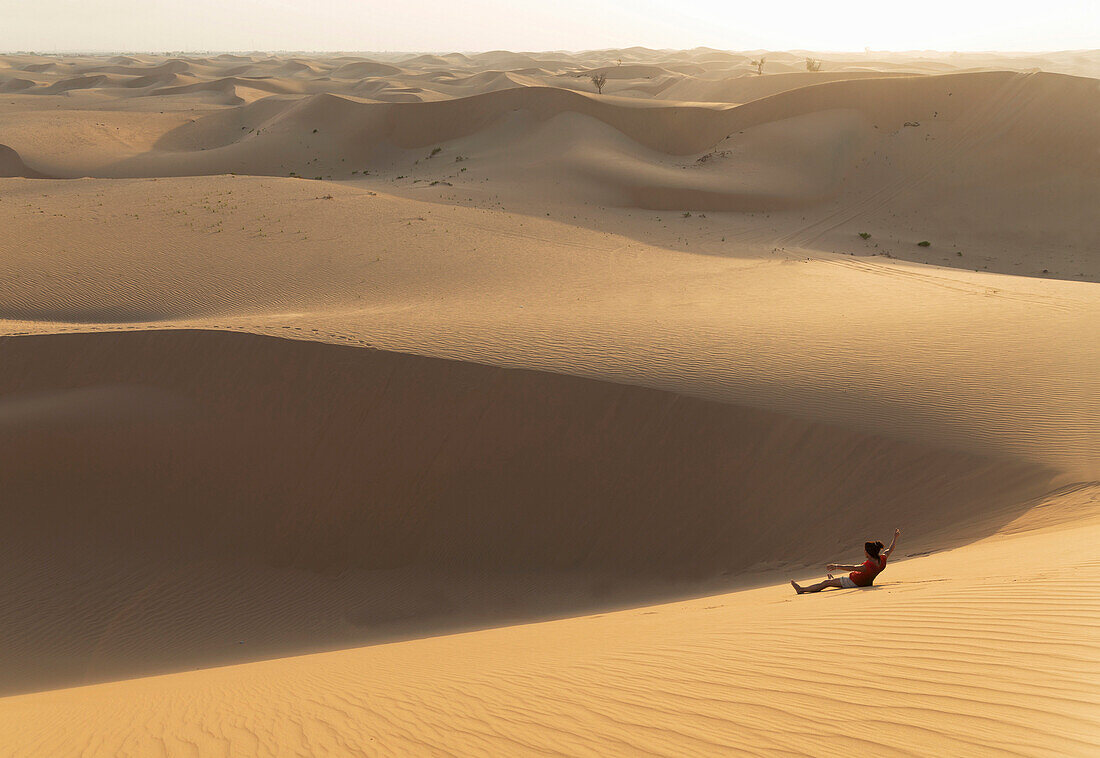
(971, 360)
(404, 479)
(985, 650)
(394, 404)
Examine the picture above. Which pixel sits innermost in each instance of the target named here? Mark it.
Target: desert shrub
(599, 80)
(924, 243)
(813, 64)
(865, 235)
(759, 64)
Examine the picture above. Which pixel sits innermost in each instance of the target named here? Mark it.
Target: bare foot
(796, 587)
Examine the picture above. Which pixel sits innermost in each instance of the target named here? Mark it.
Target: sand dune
(521, 291)
(234, 90)
(425, 465)
(12, 165)
(168, 67)
(39, 67)
(978, 651)
(742, 89)
(987, 156)
(299, 67)
(157, 80)
(15, 85)
(363, 69)
(394, 403)
(78, 82)
(629, 72)
(983, 155)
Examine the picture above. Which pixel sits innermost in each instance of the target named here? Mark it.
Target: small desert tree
(759, 65)
(599, 80)
(813, 64)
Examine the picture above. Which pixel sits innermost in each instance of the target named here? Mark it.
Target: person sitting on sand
(861, 576)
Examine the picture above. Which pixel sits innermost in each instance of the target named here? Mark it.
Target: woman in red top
(862, 575)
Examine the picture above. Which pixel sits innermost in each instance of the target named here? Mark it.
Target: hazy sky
(475, 25)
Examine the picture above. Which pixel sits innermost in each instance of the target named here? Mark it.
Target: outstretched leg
(824, 584)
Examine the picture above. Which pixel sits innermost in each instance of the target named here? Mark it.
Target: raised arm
(893, 543)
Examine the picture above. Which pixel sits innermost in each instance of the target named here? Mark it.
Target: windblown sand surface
(398, 405)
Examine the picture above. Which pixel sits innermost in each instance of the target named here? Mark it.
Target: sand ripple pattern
(930, 663)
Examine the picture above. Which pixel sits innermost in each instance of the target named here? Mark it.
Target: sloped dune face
(364, 69)
(39, 67)
(481, 441)
(76, 83)
(291, 464)
(12, 165)
(629, 72)
(743, 89)
(16, 85)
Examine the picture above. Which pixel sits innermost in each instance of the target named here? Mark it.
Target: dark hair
(873, 548)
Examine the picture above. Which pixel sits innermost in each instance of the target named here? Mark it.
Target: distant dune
(744, 88)
(364, 69)
(986, 157)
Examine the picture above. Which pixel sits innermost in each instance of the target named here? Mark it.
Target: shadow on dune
(175, 499)
(12, 165)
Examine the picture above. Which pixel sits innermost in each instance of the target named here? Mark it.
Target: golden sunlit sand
(445, 405)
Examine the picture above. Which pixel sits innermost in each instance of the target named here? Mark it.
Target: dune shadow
(255, 497)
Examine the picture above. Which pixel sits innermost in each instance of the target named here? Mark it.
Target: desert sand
(443, 405)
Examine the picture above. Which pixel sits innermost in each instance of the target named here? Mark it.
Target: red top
(865, 577)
